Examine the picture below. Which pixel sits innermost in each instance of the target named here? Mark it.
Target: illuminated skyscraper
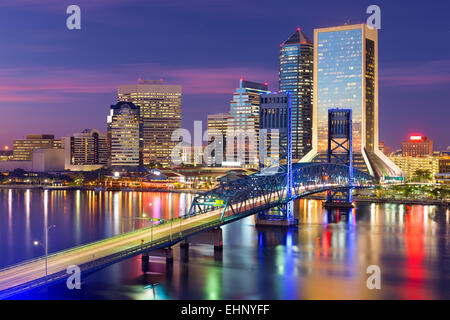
(417, 146)
(346, 76)
(273, 126)
(87, 150)
(296, 77)
(125, 134)
(160, 115)
(243, 123)
(23, 148)
(217, 124)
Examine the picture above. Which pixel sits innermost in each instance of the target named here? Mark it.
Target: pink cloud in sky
(50, 84)
(427, 74)
(53, 84)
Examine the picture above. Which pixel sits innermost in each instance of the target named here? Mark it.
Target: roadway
(34, 270)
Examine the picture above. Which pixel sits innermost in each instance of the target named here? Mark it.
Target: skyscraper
(23, 148)
(160, 115)
(346, 76)
(417, 146)
(296, 77)
(243, 123)
(273, 125)
(217, 124)
(86, 150)
(124, 130)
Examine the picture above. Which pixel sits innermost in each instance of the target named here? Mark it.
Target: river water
(326, 257)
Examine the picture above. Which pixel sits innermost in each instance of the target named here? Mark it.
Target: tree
(423, 175)
(18, 172)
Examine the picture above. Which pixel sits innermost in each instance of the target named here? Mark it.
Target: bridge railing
(107, 260)
(241, 191)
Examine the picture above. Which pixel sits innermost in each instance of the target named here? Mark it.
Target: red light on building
(298, 29)
(415, 138)
(266, 83)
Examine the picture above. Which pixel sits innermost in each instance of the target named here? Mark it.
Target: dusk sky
(54, 80)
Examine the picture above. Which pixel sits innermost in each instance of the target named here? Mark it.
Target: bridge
(209, 211)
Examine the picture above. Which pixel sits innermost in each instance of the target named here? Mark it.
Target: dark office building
(296, 77)
(273, 128)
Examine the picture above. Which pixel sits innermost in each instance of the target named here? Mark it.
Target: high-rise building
(23, 148)
(243, 123)
(273, 130)
(296, 77)
(160, 115)
(346, 76)
(417, 146)
(124, 130)
(410, 165)
(217, 124)
(87, 149)
(384, 148)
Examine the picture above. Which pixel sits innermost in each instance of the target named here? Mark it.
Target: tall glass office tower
(160, 116)
(296, 77)
(243, 123)
(124, 130)
(346, 76)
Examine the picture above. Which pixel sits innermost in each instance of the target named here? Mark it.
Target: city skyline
(68, 86)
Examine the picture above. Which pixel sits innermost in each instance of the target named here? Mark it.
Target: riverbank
(196, 191)
(41, 187)
(390, 200)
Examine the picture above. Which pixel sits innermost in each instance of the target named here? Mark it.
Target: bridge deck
(29, 274)
(58, 262)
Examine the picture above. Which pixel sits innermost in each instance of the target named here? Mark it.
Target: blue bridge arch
(256, 192)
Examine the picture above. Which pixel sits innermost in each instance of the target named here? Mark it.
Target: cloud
(49, 84)
(426, 74)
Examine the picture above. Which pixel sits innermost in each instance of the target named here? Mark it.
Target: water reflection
(326, 257)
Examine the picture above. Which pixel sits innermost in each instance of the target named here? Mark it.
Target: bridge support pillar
(278, 217)
(211, 237)
(275, 222)
(145, 262)
(184, 244)
(165, 253)
(339, 199)
(169, 255)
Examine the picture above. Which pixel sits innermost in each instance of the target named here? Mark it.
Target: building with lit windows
(346, 76)
(384, 148)
(417, 146)
(243, 124)
(23, 148)
(160, 116)
(87, 150)
(217, 125)
(296, 77)
(273, 130)
(409, 165)
(124, 131)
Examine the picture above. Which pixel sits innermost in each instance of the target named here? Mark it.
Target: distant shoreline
(191, 191)
(389, 200)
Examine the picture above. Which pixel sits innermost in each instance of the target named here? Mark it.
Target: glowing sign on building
(415, 138)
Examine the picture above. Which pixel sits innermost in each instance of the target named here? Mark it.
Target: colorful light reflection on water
(325, 258)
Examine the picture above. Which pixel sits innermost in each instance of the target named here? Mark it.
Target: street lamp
(160, 220)
(45, 246)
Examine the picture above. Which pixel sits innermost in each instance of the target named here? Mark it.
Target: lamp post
(152, 220)
(45, 246)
